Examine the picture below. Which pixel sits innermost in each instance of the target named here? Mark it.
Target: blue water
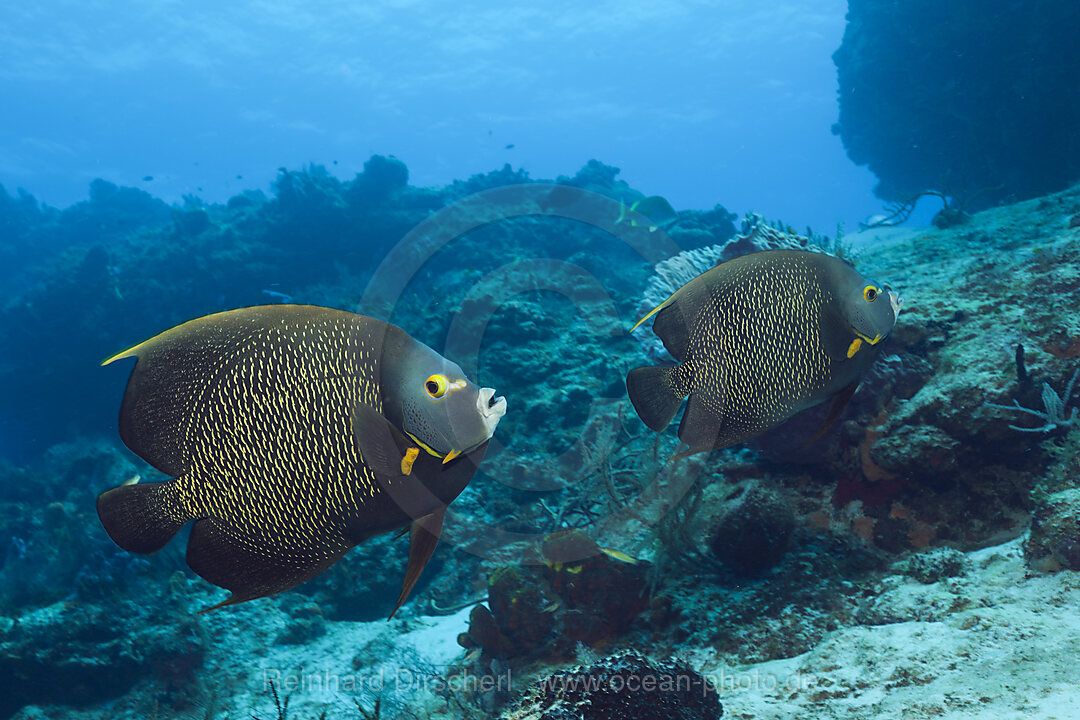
(704, 103)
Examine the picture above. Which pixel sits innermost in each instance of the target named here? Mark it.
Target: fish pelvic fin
(423, 537)
(383, 447)
(654, 396)
(836, 409)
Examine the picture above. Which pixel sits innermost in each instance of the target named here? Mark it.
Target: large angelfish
(293, 433)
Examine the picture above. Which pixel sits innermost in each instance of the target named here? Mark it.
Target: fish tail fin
(142, 517)
(653, 393)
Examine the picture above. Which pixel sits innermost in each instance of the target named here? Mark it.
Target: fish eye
(869, 293)
(436, 386)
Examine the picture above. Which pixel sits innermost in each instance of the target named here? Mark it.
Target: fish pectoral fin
(423, 537)
(383, 447)
(837, 337)
(836, 409)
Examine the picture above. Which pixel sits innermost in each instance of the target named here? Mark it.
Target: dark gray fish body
(293, 433)
(760, 338)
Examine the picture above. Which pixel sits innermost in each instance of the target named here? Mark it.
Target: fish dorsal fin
(836, 409)
(382, 446)
(423, 537)
(672, 326)
(648, 315)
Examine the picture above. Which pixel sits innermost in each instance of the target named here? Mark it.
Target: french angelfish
(656, 208)
(293, 433)
(758, 339)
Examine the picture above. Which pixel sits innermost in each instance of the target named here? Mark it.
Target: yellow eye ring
(870, 293)
(436, 386)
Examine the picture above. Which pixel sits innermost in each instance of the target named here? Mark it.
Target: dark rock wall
(966, 96)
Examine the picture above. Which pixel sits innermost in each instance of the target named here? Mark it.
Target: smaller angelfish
(758, 339)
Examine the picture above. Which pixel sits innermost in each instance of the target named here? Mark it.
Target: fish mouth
(491, 408)
(896, 302)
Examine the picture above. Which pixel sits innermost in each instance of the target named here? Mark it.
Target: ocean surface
(214, 519)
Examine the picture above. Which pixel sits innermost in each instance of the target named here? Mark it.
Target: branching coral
(1053, 416)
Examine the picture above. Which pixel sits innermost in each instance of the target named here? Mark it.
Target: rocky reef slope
(891, 568)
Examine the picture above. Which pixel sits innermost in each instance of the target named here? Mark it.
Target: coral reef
(932, 565)
(123, 255)
(1054, 414)
(579, 595)
(752, 532)
(760, 556)
(626, 686)
(79, 654)
(1054, 543)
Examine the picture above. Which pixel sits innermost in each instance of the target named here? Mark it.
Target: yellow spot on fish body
(574, 570)
(408, 460)
(450, 456)
(854, 347)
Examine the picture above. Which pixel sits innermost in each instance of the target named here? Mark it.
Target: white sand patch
(399, 662)
(993, 644)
